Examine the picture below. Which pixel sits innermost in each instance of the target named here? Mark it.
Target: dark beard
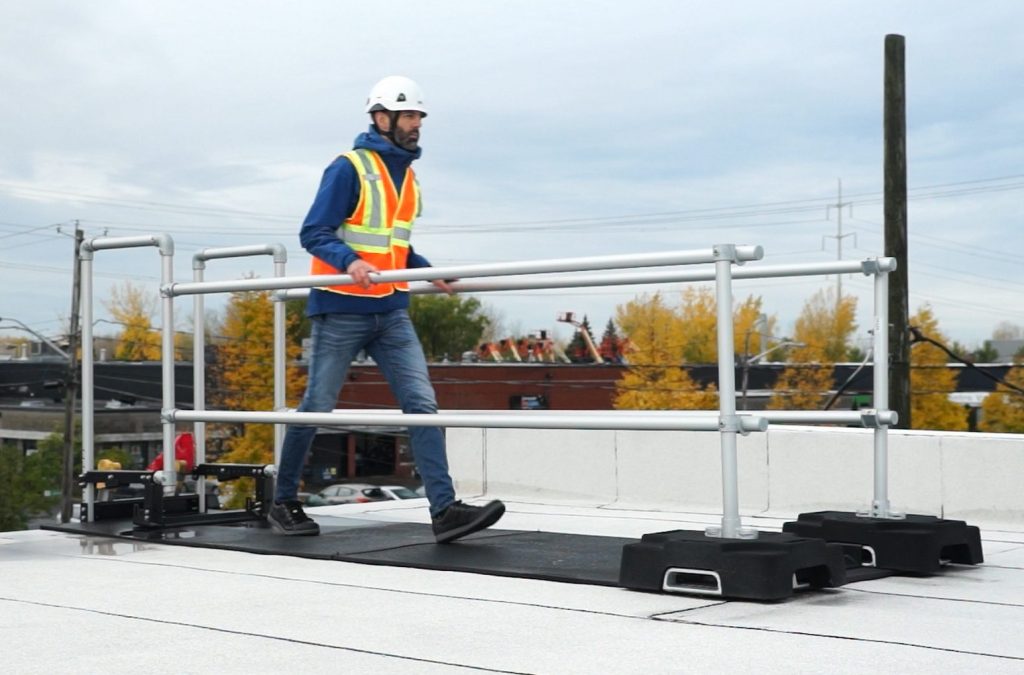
(406, 141)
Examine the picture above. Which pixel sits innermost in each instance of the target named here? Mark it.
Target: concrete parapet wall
(782, 472)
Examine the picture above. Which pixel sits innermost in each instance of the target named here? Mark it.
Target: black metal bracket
(114, 479)
(157, 509)
(231, 471)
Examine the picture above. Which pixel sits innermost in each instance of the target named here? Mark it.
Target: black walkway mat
(551, 556)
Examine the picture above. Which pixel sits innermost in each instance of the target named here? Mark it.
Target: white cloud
(540, 112)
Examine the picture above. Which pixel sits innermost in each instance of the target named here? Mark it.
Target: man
(360, 223)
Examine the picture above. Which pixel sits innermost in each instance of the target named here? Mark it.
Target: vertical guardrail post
(880, 375)
(280, 353)
(88, 387)
(199, 373)
(729, 427)
(923, 543)
(769, 567)
(167, 363)
(166, 246)
(280, 255)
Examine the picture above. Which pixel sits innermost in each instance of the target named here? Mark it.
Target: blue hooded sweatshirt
(335, 202)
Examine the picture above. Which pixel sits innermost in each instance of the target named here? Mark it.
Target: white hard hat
(396, 93)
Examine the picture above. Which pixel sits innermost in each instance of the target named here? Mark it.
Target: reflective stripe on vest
(381, 224)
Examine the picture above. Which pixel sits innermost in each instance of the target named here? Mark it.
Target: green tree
(577, 350)
(986, 353)
(29, 484)
(611, 344)
(447, 325)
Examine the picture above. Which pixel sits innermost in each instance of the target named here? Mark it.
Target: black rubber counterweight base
(914, 544)
(766, 568)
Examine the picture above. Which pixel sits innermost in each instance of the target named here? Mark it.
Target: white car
(399, 492)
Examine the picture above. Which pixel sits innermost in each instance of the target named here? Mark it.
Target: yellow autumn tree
(698, 318)
(827, 324)
(244, 377)
(698, 315)
(931, 381)
(665, 338)
(1002, 411)
(133, 308)
(655, 379)
(823, 331)
(749, 338)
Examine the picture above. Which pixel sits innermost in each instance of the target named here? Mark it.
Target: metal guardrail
(552, 273)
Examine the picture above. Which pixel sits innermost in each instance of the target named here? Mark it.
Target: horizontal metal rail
(616, 278)
(866, 417)
(279, 252)
(506, 420)
(161, 241)
(694, 257)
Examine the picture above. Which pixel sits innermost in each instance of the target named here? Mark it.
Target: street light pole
(748, 360)
(760, 325)
(47, 341)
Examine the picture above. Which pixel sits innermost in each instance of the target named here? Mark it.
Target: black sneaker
(289, 519)
(460, 519)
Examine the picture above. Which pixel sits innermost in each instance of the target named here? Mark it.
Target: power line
(974, 186)
(63, 270)
(948, 272)
(28, 229)
(954, 246)
(15, 188)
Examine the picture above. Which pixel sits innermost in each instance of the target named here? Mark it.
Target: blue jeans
(389, 338)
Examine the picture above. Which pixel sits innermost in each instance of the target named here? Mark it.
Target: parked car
(399, 492)
(421, 491)
(347, 493)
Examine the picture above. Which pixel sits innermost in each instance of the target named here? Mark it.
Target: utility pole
(894, 123)
(67, 480)
(839, 236)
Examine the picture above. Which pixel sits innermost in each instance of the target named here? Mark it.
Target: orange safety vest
(380, 227)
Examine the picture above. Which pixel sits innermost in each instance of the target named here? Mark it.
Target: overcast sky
(556, 129)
